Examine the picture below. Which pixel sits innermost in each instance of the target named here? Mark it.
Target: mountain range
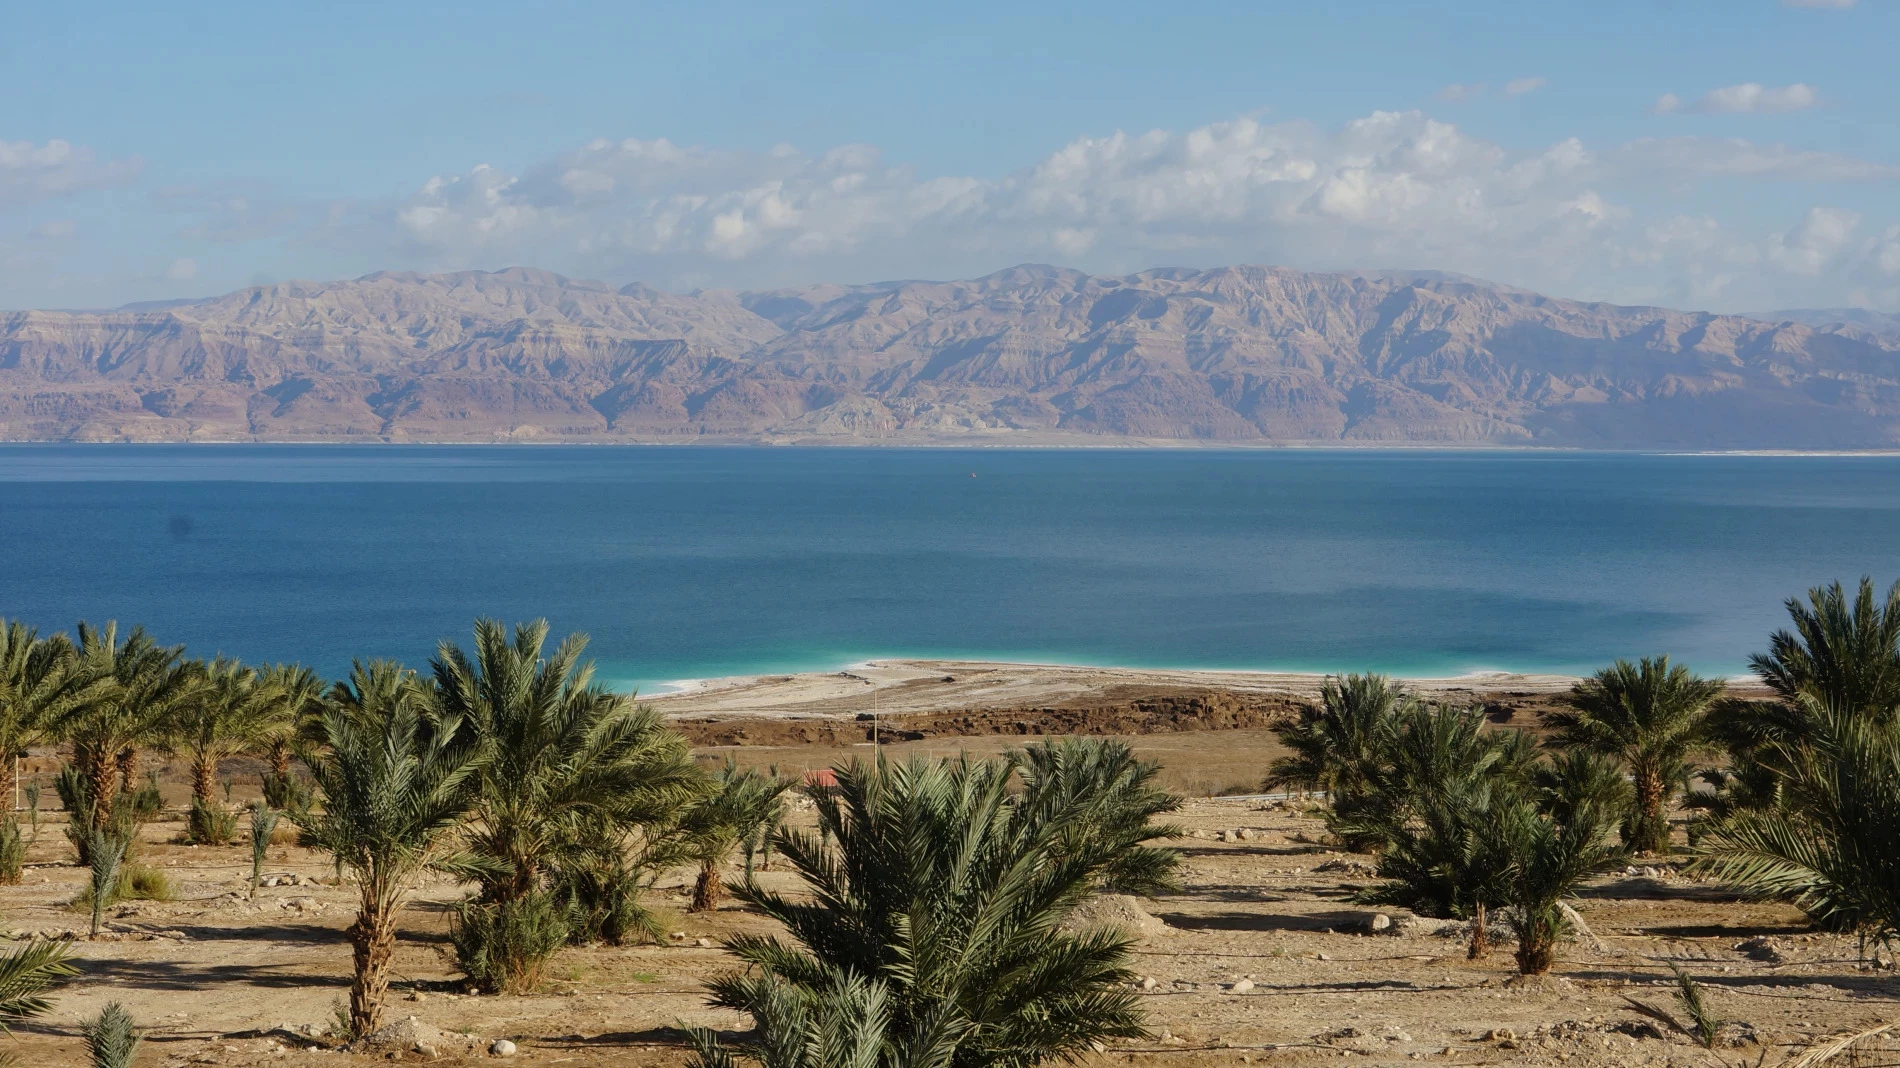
(1028, 355)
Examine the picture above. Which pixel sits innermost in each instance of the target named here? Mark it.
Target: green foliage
(1121, 802)
(26, 975)
(1545, 862)
(288, 792)
(1833, 845)
(744, 805)
(263, 825)
(1651, 716)
(141, 686)
(110, 1037)
(12, 852)
(1704, 1024)
(844, 1023)
(504, 946)
(568, 761)
(212, 824)
(1339, 745)
(946, 886)
(105, 852)
(33, 806)
(1842, 655)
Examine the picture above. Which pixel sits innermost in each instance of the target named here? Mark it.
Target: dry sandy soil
(1261, 959)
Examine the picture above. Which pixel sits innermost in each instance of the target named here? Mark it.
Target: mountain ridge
(1032, 354)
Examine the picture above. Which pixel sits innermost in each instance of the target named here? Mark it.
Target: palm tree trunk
(204, 780)
(128, 767)
(707, 889)
(8, 780)
(103, 779)
(1480, 935)
(280, 758)
(1535, 955)
(1651, 833)
(372, 945)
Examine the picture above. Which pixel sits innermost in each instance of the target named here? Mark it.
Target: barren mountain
(1026, 355)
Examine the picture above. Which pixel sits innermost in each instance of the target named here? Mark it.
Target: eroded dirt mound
(1118, 911)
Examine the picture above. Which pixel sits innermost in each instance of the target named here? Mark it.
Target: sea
(686, 562)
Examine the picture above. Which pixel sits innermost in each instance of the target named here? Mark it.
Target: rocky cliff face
(1031, 354)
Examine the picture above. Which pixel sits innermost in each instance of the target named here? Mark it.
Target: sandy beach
(918, 686)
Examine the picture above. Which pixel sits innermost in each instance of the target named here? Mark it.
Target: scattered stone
(1348, 866)
(1241, 834)
(408, 1036)
(1148, 982)
(501, 1047)
(703, 943)
(1761, 948)
(1379, 922)
(678, 936)
(1321, 956)
(1242, 987)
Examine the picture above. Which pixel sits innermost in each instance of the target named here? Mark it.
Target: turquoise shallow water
(688, 562)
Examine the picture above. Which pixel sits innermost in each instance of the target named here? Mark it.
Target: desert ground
(1262, 958)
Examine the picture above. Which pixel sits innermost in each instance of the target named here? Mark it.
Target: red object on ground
(821, 777)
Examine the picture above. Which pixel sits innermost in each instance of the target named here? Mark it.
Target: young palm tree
(1834, 847)
(227, 718)
(1338, 745)
(40, 681)
(944, 886)
(566, 753)
(1119, 793)
(294, 706)
(141, 685)
(742, 805)
(1843, 655)
(1544, 862)
(27, 974)
(398, 777)
(1651, 716)
(843, 1024)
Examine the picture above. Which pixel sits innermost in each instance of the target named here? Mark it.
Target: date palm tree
(1651, 716)
(295, 705)
(1833, 846)
(227, 718)
(141, 685)
(742, 805)
(1544, 861)
(40, 680)
(1338, 746)
(944, 886)
(1845, 655)
(27, 974)
(565, 752)
(398, 777)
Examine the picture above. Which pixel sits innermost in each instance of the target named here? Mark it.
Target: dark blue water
(686, 562)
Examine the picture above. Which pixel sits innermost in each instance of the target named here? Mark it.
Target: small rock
(1379, 922)
(1242, 987)
(1148, 982)
(703, 943)
(1241, 834)
(1321, 956)
(1500, 1034)
(678, 936)
(501, 1047)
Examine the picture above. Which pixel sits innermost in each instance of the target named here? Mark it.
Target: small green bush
(504, 947)
(134, 882)
(210, 825)
(288, 792)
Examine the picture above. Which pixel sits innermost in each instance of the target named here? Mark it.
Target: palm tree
(743, 804)
(1845, 656)
(141, 685)
(1545, 860)
(1121, 798)
(26, 975)
(294, 707)
(843, 1024)
(398, 777)
(952, 892)
(227, 718)
(566, 754)
(1338, 745)
(1833, 847)
(1650, 715)
(39, 681)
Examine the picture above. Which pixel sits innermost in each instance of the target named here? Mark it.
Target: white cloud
(1458, 93)
(1520, 86)
(30, 172)
(1389, 189)
(1748, 98)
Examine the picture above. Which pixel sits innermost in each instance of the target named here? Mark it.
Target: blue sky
(1731, 154)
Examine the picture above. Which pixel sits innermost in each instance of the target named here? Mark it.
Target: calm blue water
(686, 562)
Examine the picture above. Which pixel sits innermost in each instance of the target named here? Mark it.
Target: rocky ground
(1261, 959)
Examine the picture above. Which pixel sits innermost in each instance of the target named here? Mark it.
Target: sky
(1733, 155)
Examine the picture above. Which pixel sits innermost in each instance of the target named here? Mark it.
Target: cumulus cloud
(1389, 189)
(1520, 86)
(1748, 98)
(30, 172)
(1459, 92)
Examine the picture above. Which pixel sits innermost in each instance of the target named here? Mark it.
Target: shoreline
(901, 685)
